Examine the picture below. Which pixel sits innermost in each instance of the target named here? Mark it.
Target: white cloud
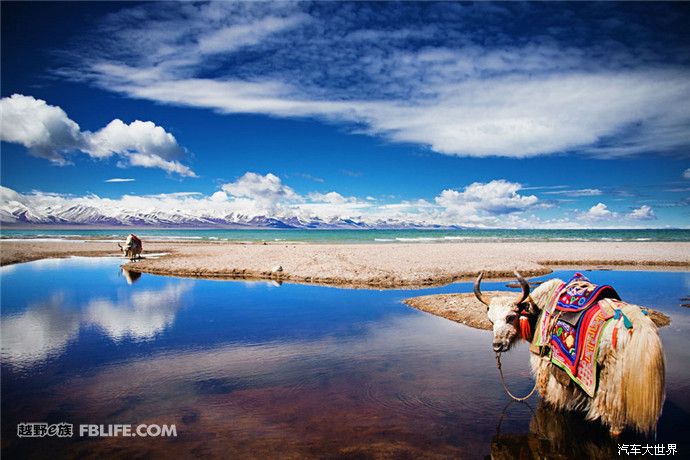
(47, 132)
(237, 36)
(576, 193)
(219, 196)
(495, 198)
(522, 116)
(8, 195)
(496, 204)
(143, 137)
(149, 160)
(686, 174)
(331, 197)
(538, 97)
(44, 129)
(598, 212)
(266, 193)
(255, 185)
(644, 212)
(119, 179)
(510, 116)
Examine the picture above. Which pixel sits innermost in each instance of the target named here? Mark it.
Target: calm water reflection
(257, 370)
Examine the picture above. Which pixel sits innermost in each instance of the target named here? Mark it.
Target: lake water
(381, 236)
(253, 369)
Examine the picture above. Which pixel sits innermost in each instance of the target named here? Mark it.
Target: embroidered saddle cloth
(572, 325)
(579, 293)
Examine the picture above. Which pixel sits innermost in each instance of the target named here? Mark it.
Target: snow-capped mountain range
(15, 213)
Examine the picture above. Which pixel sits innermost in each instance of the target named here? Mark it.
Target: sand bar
(466, 309)
(394, 265)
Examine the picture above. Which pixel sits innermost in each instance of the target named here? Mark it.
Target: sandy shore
(13, 252)
(466, 309)
(368, 265)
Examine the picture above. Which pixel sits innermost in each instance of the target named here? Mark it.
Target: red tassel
(525, 329)
(614, 336)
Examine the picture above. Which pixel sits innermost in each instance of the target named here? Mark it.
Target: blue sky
(510, 114)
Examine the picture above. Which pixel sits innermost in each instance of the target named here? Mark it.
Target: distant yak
(132, 247)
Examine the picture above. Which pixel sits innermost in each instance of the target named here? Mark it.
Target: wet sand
(466, 309)
(367, 265)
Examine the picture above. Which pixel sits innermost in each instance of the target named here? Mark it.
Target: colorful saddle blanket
(579, 294)
(572, 325)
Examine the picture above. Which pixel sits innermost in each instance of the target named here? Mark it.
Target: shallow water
(254, 369)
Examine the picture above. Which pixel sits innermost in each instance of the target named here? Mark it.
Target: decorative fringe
(631, 379)
(643, 372)
(525, 329)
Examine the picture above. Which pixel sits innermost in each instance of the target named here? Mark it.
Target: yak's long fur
(630, 392)
(132, 247)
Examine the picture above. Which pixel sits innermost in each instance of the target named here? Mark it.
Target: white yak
(132, 247)
(630, 390)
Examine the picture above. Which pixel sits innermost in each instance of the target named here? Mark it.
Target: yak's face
(503, 314)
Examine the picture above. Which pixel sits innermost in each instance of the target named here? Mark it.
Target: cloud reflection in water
(45, 328)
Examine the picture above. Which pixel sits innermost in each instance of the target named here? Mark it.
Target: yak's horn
(525, 288)
(477, 290)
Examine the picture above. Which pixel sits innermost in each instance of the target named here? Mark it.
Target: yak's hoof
(615, 432)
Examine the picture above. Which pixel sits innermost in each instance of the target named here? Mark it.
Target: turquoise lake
(355, 236)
